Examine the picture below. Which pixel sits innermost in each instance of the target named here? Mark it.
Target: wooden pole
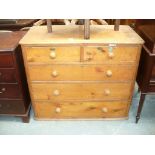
(117, 23)
(49, 25)
(86, 29)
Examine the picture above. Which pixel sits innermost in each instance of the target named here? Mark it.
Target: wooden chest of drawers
(14, 94)
(70, 77)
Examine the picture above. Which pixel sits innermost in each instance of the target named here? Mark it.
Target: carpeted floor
(146, 125)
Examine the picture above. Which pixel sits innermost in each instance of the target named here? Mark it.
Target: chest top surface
(74, 34)
(10, 40)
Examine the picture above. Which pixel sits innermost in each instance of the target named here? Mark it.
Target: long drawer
(81, 72)
(81, 91)
(88, 54)
(10, 91)
(12, 107)
(74, 109)
(8, 76)
(6, 59)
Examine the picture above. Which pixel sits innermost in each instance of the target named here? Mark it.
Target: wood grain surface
(80, 109)
(81, 72)
(74, 34)
(43, 54)
(81, 91)
(70, 77)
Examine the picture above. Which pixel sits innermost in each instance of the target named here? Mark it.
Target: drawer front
(80, 110)
(111, 55)
(79, 91)
(52, 55)
(8, 76)
(12, 107)
(6, 60)
(82, 72)
(10, 91)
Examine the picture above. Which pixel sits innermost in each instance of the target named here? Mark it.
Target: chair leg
(141, 103)
(117, 23)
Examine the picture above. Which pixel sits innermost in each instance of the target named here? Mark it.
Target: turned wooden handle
(30, 59)
(58, 110)
(111, 55)
(107, 92)
(109, 73)
(104, 110)
(54, 73)
(53, 55)
(2, 90)
(56, 92)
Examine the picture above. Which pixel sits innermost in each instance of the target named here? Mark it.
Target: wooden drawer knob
(2, 90)
(54, 73)
(111, 55)
(58, 110)
(107, 92)
(104, 110)
(109, 73)
(53, 55)
(56, 93)
(101, 49)
(30, 59)
(0, 74)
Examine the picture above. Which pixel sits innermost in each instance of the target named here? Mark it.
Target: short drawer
(81, 72)
(12, 107)
(52, 55)
(10, 91)
(47, 110)
(8, 76)
(6, 59)
(115, 55)
(80, 91)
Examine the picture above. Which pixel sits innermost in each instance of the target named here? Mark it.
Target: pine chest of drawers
(70, 77)
(14, 94)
